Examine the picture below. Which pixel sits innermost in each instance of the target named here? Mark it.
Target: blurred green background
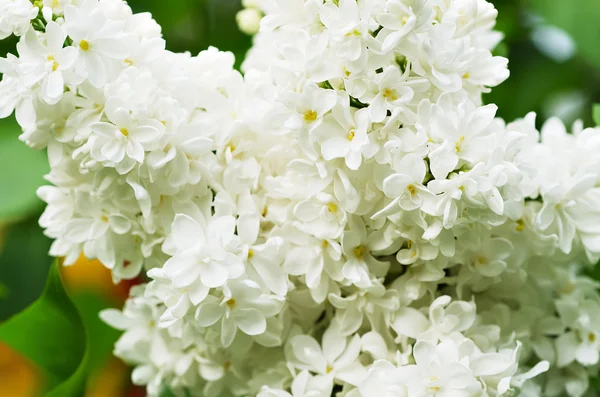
(554, 52)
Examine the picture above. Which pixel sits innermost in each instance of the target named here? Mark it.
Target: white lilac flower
(204, 258)
(99, 40)
(242, 307)
(344, 134)
(336, 359)
(46, 64)
(123, 140)
(349, 188)
(16, 16)
(304, 385)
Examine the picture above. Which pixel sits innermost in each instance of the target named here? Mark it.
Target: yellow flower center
(482, 260)
(84, 45)
(411, 189)
(324, 244)
(129, 62)
(332, 207)
(520, 225)
(227, 365)
(310, 116)
(231, 303)
(567, 289)
(434, 389)
(124, 131)
(458, 144)
(359, 251)
(55, 65)
(250, 253)
(351, 135)
(591, 337)
(390, 94)
(329, 369)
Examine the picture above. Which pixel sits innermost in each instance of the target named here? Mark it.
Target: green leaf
(51, 334)
(21, 173)
(596, 113)
(579, 18)
(101, 337)
(24, 264)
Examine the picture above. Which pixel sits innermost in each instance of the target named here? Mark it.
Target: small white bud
(249, 20)
(251, 3)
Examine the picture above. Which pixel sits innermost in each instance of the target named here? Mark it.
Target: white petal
(308, 351)
(116, 319)
(335, 148)
(490, 364)
(566, 346)
(410, 322)
(228, 331)
(187, 233)
(213, 275)
(308, 210)
(208, 313)
(334, 343)
(54, 88)
(250, 321)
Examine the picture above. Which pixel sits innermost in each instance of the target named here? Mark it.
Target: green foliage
(51, 334)
(537, 82)
(21, 173)
(62, 335)
(194, 25)
(23, 267)
(596, 113)
(101, 337)
(579, 18)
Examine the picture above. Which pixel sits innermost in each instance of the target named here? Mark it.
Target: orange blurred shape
(18, 377)
(91, 275)
(110, 381)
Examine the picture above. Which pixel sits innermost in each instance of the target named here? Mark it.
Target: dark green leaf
(51, 334)
(21, 173)
(23, 266)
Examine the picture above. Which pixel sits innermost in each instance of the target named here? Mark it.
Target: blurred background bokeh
(554, 52)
